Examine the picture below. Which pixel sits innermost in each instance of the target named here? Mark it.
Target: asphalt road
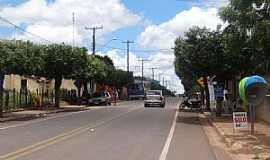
(127, 131)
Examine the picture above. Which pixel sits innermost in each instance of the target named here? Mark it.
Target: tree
(247, 35)
(18, 57)
(120, 78)
(199, 54)
(62, 61)
(6, 50)
(156, 86)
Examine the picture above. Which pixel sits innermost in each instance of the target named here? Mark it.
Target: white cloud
(165, 66)
(163, 35)
(162, 61)
(209, 3)
(54, 20)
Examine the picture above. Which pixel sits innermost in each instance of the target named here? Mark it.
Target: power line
(23, 30)
(142, 51)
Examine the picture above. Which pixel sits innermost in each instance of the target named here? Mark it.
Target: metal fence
(24, 99)
(15, 100)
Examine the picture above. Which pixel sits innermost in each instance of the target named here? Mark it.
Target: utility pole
(153, 73)
(163, 82)
(94, 37)
(159, 77)
(128, 42)
(166, 83)
(73, 34)
(143, 60)
(14, 38)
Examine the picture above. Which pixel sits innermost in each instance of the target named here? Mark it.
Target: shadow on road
(188, 120)
(190, 117)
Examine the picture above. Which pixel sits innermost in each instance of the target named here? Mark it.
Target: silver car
(100, 98)
(154, 98)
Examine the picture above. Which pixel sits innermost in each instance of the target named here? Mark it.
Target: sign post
(252, 91)
(252, 119)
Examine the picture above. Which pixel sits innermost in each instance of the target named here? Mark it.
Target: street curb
(42, 115)
(219, 131)
(204, 119)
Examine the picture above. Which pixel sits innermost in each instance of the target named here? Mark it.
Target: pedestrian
(115, 95)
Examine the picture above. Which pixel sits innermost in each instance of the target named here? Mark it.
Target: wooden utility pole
(128, 42)
(143, 60)
(94, 37)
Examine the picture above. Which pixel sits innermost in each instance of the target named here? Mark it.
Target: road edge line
(169, 139)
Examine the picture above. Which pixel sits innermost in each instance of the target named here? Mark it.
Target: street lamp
(103, 46)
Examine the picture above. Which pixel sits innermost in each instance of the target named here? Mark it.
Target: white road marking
(169, 139)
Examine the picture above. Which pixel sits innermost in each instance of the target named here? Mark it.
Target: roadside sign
(240, 120)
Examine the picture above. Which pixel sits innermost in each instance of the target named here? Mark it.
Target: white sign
(240, 120)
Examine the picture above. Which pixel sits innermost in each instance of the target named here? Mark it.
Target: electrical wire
(23, 30)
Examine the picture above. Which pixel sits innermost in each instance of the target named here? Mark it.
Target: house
(34, 83)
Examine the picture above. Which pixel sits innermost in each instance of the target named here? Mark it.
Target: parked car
(154, 98)
(99, 98)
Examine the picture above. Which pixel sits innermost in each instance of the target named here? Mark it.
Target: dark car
(99, 98)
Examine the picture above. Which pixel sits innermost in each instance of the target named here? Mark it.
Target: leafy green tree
(120, 78)
(200, 54)
(156, 86)
(247, 36)
(107, 60)
(6, 49)
(19, 57)
(62, 61)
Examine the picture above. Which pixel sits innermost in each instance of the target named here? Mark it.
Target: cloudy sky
(153, 25)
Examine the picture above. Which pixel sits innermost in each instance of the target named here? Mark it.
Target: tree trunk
(219, 107)
(207, 94)
(2, 77)
(85, 89)
(78, 84)
(202, 97)
(57, 85)
(79, 92)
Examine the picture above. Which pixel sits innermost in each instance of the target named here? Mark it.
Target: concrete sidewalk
(33, 114)
(240, 142)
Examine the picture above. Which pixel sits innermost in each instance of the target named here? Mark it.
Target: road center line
(169, 139)
(43, 144)
(55, 117)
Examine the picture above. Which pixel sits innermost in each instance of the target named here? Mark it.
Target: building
(34, 83)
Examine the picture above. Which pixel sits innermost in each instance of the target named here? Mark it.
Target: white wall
(263, 112)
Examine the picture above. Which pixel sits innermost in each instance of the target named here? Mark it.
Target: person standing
(115, 96)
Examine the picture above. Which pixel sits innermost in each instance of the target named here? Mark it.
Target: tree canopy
(241, 48)
(57, 61)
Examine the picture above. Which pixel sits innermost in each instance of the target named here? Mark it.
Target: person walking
(115, 96)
